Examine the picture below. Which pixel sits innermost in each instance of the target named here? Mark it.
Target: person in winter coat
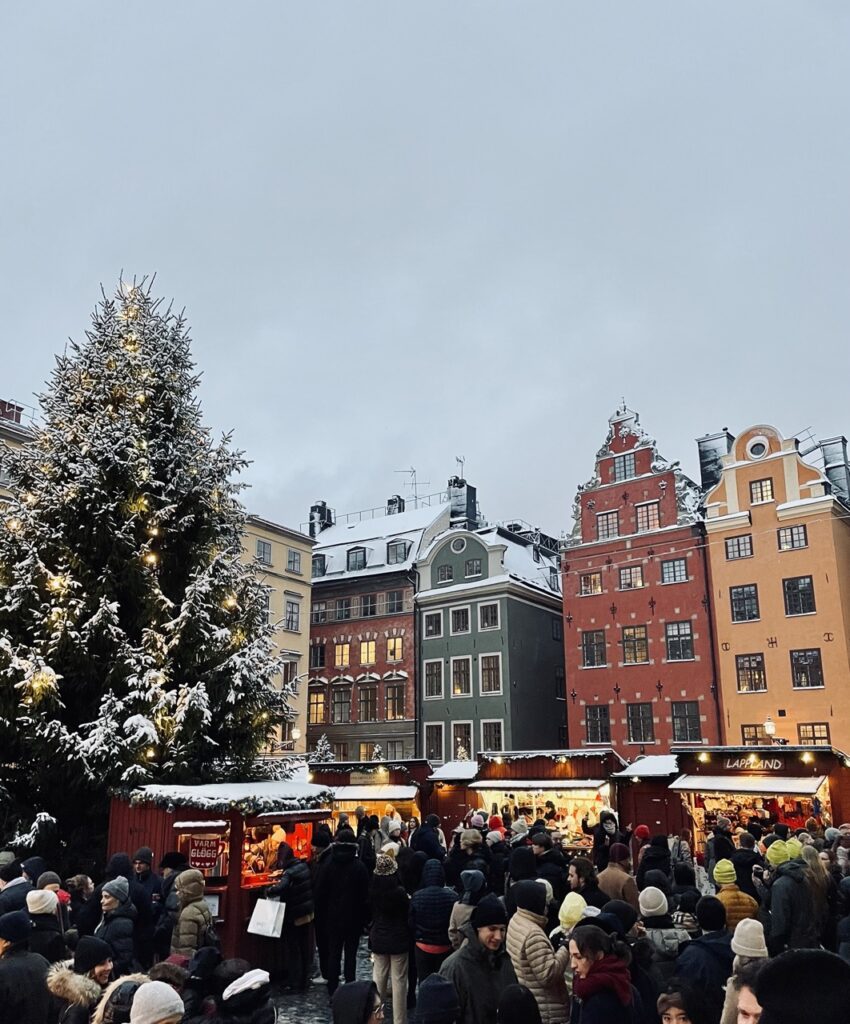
(366, 852)
(46, 937)
(342, 904)
(659, 928)
(602, 988)
(357, 1002)
(80, 889)
(156, 1002)
(684, 884)
(615, 880)
(246, 999)
(720, 845)
(738, 904)
(536, 964)
(803, 984)
(582, 879)
(117, 926)
(706, 962)
(51, 882)
(656, 857)
(499, 856)
(749, 947)
(24, 998)
(430, 914)
(550, 864)
(118, 866)
(295, 889)
(151, 884)
(517, 1005)
(474, 888)
(77, 985)
(14, 889)
(744, 859)
(789, 901)
(194, 922)
(467, 853)
(426, 839)
(481, 969)
(171, 865)
(117, 999)
(522, 868)
(389, 934)
(605, 834)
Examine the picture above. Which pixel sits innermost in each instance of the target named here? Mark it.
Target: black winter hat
(624, 912)
(33, 867)
(353, 1003)
(517, 1005)
(436, 1001)
(490, 910)
(530, 895)
(174, 860)
(824, 993)
(781, 830)
(144, 854)
(711, 914)
(523, 864)
(9, 872)
(90, 952)
(321, 840)
(15, 927)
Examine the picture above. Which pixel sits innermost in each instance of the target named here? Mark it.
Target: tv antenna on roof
(461, 461)
(414, 484)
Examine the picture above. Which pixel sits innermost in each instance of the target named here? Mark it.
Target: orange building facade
(778, 544)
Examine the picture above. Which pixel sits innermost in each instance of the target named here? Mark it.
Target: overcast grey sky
(409, 231)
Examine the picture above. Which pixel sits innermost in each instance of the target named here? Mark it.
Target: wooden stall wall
(451, 802)
(649, 802)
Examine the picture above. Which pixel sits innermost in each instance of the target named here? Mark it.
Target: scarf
(608, 974)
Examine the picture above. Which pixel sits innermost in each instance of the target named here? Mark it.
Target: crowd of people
(490, 922)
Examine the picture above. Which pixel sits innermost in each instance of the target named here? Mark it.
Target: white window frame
(451, 679)
(645, 505)
(435, 725)
(432, 636)
(473, 575)
(673, 583)
(491, 721)
(490, 693)
(265, 544)
(291, 602)
(425, 664)
(487, 604)
(293, 555)
(459, 608)
(471, 724)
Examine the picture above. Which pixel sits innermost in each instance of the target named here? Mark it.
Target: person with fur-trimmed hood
(23, 995)
(77, 985)
(117, 999)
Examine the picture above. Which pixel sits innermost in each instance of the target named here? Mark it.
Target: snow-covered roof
(246, 797)
(454, 771)
(411, 526)
(651, 766)
(346, 794)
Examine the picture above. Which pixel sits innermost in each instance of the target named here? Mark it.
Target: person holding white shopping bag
(295, 890)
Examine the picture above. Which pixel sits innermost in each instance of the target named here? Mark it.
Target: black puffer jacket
(390, 905)
(24, 998)
(499, 855)
(744, 861)
(118, 929)
(553, 867)
(425, 838)
(431, 907)
(46, 938)
(341, 890)
(656, 857)
(295, 889)
(793, 923)
(119, 866)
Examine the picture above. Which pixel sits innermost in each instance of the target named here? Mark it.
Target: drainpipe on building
(417, 739)
(709, 593)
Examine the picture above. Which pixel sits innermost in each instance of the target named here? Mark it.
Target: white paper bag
(267, 919)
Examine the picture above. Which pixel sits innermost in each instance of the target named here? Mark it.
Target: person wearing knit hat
(495, 824)
(625, 914)
(156, 1003)
(470, 839)
(794, 921)
(616, 881)
(385, 864)
(117, 927)
(23, 994)
(794, 848)
(389, 935)
(390, 850)
(831, 834)
(737, 903)
(77, 985)
(536, 965)
(804, 984)
(149, 883)
(473, 890)
(171, 865)
(493, 837)
(481, 969)
(46, 937)
(519, 832)
(436, 1003)
(572, 908)
(748, 939)
(665, 935)
(750, 949)
(653, 902)
(777, 853)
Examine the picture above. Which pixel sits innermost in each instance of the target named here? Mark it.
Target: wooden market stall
(451, 796)
(644, 797)
(785, 784)
(230, 832)
(381, 787)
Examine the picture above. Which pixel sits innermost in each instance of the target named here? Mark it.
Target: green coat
(479, 977)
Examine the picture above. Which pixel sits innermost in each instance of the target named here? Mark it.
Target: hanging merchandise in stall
(391, 788)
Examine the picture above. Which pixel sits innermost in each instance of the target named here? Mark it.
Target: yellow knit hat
(777, 853)
(571, 910)
(794, 847)
(724, 872)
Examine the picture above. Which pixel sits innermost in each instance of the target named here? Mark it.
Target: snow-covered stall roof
(651, 766)
(377, 792)
(415, 526)
(246, 797)
(454, 771)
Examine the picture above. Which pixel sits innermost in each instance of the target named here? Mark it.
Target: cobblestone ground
(313, 1006)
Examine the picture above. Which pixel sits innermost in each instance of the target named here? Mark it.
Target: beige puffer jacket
(194, 917)
(538, 966)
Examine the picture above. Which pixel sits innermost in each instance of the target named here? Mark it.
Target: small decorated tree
(134, 643)
(461, 753)
(323, 753)
(378, 753)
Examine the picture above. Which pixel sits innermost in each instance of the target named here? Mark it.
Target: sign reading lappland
(760, 764)
(203, 853)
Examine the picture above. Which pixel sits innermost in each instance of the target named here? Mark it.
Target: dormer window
(356, 559)
(444, 574)
(318, 568)
(397, 551)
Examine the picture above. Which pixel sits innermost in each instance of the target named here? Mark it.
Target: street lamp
(769, 728)
(296, 734)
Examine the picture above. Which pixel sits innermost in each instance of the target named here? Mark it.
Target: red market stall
(644, 796)
(230, 832)
(381, 787)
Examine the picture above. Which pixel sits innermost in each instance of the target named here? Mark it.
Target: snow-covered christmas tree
(322, 753)
(134, 644)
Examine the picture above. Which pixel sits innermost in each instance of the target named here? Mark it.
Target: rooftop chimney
(395, 505)
(463, 500)
(321, 517)
(712, 448)
(835, 467)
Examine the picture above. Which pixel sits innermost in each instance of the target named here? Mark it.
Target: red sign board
(203, 853)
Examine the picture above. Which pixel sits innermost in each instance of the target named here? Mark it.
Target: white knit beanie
(748, 938)
(42, 901)
(652, 902)
(155, 1002)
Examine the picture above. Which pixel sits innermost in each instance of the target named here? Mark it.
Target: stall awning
(348, 793)
(778, 784)
(533, 785)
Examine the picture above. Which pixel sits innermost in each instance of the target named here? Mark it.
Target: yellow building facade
(779, 564)
(282, 558)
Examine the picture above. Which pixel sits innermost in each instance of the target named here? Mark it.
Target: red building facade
(638, 638)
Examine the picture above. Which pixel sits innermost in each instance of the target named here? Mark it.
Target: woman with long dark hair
(602, 989)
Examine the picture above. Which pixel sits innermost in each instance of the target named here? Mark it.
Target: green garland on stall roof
(247, 806)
